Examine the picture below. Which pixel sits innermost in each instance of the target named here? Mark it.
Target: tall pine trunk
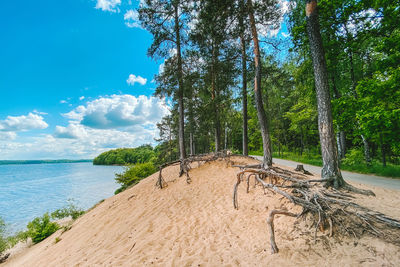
(262, 118)
(180, 89)
(244, 82)
(330, 169)
(214, 99)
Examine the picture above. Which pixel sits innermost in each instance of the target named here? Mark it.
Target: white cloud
(272, 31)
(23, 123)
(161, 68)
(7, 135)
(63, 102)
(359, 21)
(132, 79)
(102, 124)
(120, 111)
(108, 5)
(285, 34)
(39, 112)
(72, 131)
(81, 98)
(131, 18)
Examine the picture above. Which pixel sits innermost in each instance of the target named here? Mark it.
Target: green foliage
(41, 227)
(3, 241)
(122, 156)
(355, 163)
(133, 174)
(19, 236)
(353, 157)
(69, 210)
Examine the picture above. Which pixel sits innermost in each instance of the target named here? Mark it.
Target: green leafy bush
(14, 239)
(133, 174)
(41, 227)
(3, 240)
(70, 210)
(353, 157)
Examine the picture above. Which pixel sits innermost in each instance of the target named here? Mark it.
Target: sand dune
(196, 225)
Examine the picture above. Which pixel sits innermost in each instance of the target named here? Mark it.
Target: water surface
(28, 191)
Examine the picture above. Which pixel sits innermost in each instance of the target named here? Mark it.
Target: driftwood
(327, 207)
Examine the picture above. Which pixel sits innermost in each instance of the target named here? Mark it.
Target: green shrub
(70, 210)
(41, 227)
(3, 241)
(133, 174)
(14, 239)
(353, 157)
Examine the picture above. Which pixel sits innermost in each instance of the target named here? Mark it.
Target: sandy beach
(196, 225)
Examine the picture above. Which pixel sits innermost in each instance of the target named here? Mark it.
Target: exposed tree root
(185, 164)
(326, 207)
(4, 257)
(270, 223)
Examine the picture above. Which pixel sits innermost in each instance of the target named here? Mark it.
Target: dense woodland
(225, 72)
(235, 85)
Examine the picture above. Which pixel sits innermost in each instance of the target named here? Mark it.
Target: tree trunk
(262, 118)
(226, 137)
(180, 89)
(191, 143)
(244, 84)
(330, 169)
(301, 142)
(367, 155)
(341, 143)
(214, 98)
(383, 151)
(342, 135)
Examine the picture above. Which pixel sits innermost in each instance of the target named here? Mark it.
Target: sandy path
(196, 225)
(369, 179)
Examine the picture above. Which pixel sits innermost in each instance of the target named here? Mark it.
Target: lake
(28, 191)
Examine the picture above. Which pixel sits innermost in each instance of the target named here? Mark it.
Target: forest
(235, 84)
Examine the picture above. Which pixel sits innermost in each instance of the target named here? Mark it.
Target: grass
(376, 167)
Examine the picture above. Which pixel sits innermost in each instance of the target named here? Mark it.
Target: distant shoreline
(20, 162)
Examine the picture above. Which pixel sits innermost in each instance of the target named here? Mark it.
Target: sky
(75, 79)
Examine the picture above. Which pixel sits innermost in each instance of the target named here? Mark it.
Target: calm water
(28, 191)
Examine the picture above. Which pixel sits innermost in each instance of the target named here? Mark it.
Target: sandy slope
(196, 225)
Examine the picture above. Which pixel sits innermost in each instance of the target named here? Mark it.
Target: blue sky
(75, 79)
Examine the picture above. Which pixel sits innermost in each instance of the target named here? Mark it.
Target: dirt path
(385, 182)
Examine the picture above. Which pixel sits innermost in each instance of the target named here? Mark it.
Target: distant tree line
(124, 156)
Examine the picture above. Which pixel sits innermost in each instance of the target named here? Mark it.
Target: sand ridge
(196, 225)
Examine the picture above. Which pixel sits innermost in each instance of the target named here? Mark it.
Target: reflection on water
(28, 191)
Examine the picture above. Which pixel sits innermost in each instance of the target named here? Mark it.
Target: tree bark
(191, 143)
(383, 151)
(244, 82)
(330, 160)
(341, 143)
(180, 85)
(214, 99)
(262, 118)
(367, 155)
